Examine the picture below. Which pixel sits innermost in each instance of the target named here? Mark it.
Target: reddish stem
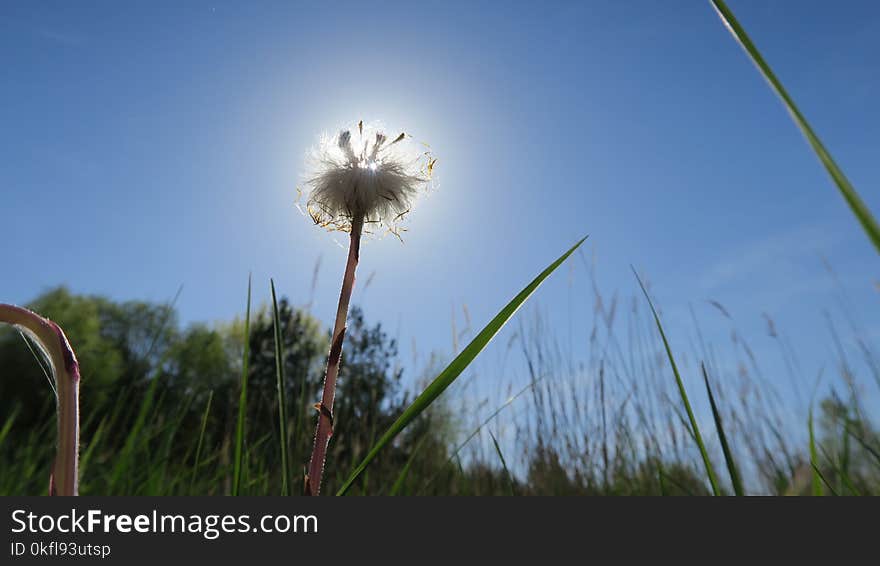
(324, 428)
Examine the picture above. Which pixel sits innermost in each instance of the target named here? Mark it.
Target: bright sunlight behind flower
(361, 172)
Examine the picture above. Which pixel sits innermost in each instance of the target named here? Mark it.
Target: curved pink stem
(64, 479)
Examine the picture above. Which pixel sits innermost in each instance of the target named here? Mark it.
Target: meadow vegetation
(160, 410)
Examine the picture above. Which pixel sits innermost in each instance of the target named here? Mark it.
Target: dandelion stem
(324, 428)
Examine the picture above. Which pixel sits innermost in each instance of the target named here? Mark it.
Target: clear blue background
(148, 145)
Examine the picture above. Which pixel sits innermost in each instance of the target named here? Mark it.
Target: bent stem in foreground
(53, 343)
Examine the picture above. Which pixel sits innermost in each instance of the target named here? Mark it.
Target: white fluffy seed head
(363, 172)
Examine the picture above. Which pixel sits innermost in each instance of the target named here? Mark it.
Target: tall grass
(458, 365)
(612, 425)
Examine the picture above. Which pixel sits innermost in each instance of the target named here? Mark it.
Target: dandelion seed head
(362, 172)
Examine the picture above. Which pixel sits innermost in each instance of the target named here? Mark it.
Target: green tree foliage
(146, 383)
(117, 345)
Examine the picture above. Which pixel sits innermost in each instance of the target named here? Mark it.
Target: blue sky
(151, 145)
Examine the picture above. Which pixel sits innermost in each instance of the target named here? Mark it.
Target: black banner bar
(144, 530)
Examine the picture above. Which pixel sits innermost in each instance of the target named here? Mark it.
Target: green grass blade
(126, 456)
(503, 464)
(817, 473)
(859, 208)
(735, 478)
(663, 491)
(282, 396)
(159, 473)
(401, 478)
(841, 472)
(695, 429)
(7, 426)
(482, 425)
(93, 443)
(864, 444)
(242, 399)
(300, 420)
(201, 442)
(454, 369)
(814, 459)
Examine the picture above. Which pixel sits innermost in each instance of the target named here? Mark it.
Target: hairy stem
(64, 479)
(324, 428)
